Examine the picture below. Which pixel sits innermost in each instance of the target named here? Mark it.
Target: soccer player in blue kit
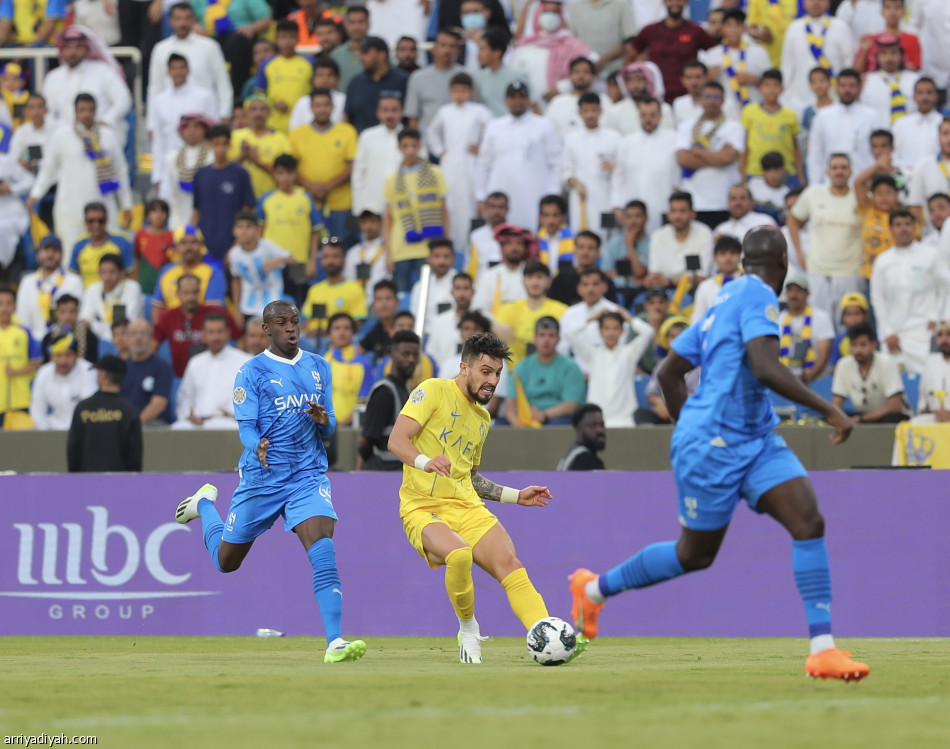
(725, 448)
(282, 401)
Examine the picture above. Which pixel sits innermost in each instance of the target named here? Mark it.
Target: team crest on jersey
(418, 395)
(482, 431)
(240, 395)
(771, 313)
(316, 378)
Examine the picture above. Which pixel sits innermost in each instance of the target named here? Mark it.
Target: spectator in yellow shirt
(767, 21)
(516, 320)
(285, 77)
(877, 197)
(256, 146)
(770, 127)
(334, 294)
(325, 153)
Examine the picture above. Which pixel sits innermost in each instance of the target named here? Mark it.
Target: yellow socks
(524, 600)
(458, 582)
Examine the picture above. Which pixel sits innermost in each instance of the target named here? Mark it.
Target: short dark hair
(65, 299)
(593, 272)
(794, 192)
(497, 38)
(215, 317)
(285, 24)
(286, 161)
(405, 313)
(938, 196)
(850, 73)
(407, 39)
(434, 244)
(882, 134)
(114, 258)
(341, 316)
(883, 179)
(637, 204)
(925, 79)
(386, 283)
(449, 31)
(773, 160)
(582, 410)
(94, 206)
(536, 268)
(219, 131)
(611, 315)
(716, 85)
(839, 155)
(554, 200)
(321, 92)
(727, 243)
(4, 289)
(476, 317)
(248, 216)
(462, 79)
(270, 311)
(175, 57)
(695, 64)
(588, 234)
(486, 344)
(682, 197)
(157, 204)
(589, 98)
(733, 14)
(649, 101)
(900, 213)
(357, 9)
(327, 63)
(582, 61)
(404, 336)
(772, 74)
(181, 6)
(862, 328)
(408, 132)
(824, 71)
(463, 276)
(496, 195)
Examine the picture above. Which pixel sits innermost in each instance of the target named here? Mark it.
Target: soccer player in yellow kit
(441, 498)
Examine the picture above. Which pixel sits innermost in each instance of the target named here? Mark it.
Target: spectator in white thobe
(504, 282)
(205, 60)
(439, 297)
(930, 20)
(60, 384)
(646, 166)
(15, 184)
(520, 156)
(177, 187)
(844, 127)
(889, 90)
(204, 398)
(836, 49)
(79, 75)
(38, 291)
(590, 155)
(742, 217)
(915, 136)
(182, 97)
(908, 282)
(377, 156)
(68, 165)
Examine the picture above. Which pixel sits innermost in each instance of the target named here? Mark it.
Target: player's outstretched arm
(530, 496)
(400, 445)
(672, 380)
(763, 353)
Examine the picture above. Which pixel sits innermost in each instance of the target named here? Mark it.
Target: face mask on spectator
(549, 21)
(473, 21)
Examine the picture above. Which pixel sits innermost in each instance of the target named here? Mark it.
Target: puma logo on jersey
(279, 382)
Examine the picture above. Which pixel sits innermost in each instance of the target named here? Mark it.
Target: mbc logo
(46, 536)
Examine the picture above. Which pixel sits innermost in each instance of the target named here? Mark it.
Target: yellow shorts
(471, 523)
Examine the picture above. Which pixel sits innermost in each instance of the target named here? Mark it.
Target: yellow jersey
(284, 79)
(323, 155)
(17, 349)
(769, 131)
(352, 380)
(399, 247)
(346, 296)
(289, 220)
(269, 146)
(453, 426)
(522, 319)
(775, 15)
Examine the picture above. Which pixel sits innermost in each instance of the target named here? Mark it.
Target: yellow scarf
(216, 17)
(45, 298)
(816, 41)
(786, 343)
(420, 212)
(898, 102)
(732, 72)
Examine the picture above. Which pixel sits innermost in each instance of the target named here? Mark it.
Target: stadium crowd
(578, 176)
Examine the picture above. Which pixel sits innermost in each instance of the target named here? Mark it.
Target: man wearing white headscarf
(638, 79)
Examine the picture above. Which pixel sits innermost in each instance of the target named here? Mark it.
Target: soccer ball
(551, 641)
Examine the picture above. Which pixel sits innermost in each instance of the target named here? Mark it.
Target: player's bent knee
(811, 525)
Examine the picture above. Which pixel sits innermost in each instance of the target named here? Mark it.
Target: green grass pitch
(412, 692)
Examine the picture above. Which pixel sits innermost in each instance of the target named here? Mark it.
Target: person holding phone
(113, 297)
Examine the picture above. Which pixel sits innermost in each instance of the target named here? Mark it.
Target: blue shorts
(710, 480)
(255, 507)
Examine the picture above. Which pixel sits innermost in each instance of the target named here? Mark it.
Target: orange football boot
(835, 664)
(584, 610)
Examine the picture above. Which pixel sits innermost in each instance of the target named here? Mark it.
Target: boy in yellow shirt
(770, 127)
(285, 77)
(877, 197)
(256, 146)
(516, 320)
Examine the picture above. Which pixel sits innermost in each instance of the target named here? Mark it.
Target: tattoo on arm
(484, 488)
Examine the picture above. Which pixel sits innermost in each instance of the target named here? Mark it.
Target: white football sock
(821, 642)
(592, 591)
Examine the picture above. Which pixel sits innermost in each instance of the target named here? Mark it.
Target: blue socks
(651, 565)
(326, 586)
(212, 527)
(813, 578)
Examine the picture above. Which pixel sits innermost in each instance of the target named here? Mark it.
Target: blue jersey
(272, 393)
(730, 403)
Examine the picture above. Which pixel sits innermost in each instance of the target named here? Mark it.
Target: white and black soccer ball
(551, 641)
